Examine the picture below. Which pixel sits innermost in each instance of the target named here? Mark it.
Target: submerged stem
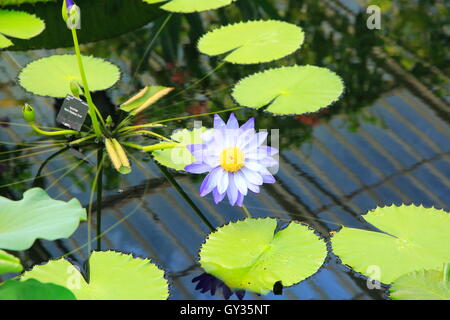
(185, 196)
(246, 212)
(99, 197)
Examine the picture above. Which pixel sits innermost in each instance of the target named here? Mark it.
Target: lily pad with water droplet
(421, 285)
(250, 255)
(253, 41)
(187, 6)
(18, 24)
(415, 238)
(113, 276)
(9, 263)
(51, 76)
(178, 158)
(290, 90)
(37, 216)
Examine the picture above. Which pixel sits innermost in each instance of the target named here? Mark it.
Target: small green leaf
(144, 98)
(187, 6)
(18, 24)
(9, 263)
(415, 238)
(421, 285)
(248, 255)
(33, 290)
(113, 276)
(253, 41)
(178, 158)
(37, 216)
(290, 90)
(52, 76)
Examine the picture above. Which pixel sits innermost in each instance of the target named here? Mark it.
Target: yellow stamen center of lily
(232, 159)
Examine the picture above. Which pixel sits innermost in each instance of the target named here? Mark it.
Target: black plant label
(73, 113)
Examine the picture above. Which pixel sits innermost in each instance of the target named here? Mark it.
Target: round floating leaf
(113, 276)
(250, 255)
(416, 238)
(37, 216)
(17, 2)
(421, 285)
(33, 290)
(18, 24)
(51, 76)
(9, 263)
(253, 41)
(187, 6)
(180, 157)
(290, 90)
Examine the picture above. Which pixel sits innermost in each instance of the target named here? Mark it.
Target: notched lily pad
(18, 24)
(178, 158)
(415, 238)
(51, 76)
(187, 6)
(253, 41)
(37, 216)
(250, 255)
(421, 285)
(290, 90)
(113, 276)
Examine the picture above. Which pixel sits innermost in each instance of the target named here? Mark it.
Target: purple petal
(250, 124)
(253, 187)
(195, 147)
(232, 122)
(268, 178)
(268, 162)
(240, 200)
(222, 184)
(252, 177)
(210, 182)
(241, 183)
(218, 196)
(232, 190)
(197, 167)
(218, 122)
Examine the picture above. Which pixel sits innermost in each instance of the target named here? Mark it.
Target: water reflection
(384, 142)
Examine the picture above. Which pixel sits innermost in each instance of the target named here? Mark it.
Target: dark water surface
(385, 142)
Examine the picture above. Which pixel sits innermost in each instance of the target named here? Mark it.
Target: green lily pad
(144, 98)
(9, 263)
(18, 24)
(37, 216)
(250, 255)
(421, 285)
(51, 76)
(253, 41)
(33, 290)
(290, 90)
(187, 6)
(178, 158)
(416, 238)
(113, 276)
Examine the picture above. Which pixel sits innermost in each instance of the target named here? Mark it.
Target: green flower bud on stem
(28, 113)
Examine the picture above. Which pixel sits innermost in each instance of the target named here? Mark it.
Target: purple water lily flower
(236, 159)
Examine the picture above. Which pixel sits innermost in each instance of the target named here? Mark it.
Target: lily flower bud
(71, 14)
(28, 113)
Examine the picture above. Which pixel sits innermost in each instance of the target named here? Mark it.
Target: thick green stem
(52, 133)
(93, 111)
